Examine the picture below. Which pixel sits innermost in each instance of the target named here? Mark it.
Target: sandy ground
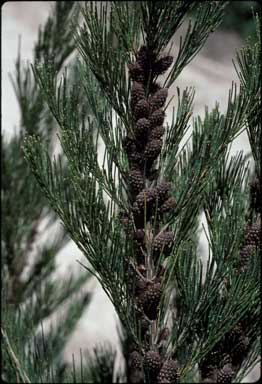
(211, 73)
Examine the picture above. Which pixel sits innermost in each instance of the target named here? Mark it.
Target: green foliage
(31, 294)
(200, 304)
(208, 16)
(248, 66)
(106, 55)
(239, 18)
(101, 365)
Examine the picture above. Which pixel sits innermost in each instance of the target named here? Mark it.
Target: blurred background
(211, 73)
(238, 18)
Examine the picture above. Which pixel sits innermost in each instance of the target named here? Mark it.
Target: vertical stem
(150, 275)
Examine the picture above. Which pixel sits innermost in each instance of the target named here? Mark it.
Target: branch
(13, 357)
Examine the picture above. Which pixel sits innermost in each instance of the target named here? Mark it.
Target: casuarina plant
(137, 184)
(31, 291)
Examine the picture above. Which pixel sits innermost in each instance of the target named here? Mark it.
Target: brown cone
(163, 189)
(141, 109)
(150, 300)
(253, 234)
(152, 365)
(136, 180)
(141, 128)
(168, 373)
(135, 368)
(157, 118)
(146, 197)
(162, 65)
(157, 133)
(136, 73)
(137, 93)
(163, 243)
(168, 205)
(255, 194)
(225, 375)
(153, 149)
(239, 350)
(244, 258)
(158, 100)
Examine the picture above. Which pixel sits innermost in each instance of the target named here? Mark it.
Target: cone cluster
(255, 195)
(235, 344)
(251, 242)
(151, 202)
(155, 368)
(252, 235)
(158, 370)
(226, 356)
(150, 300)
(135, 367)
(135, 360)
(143, 145)
(225, 375)
(147, 102)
